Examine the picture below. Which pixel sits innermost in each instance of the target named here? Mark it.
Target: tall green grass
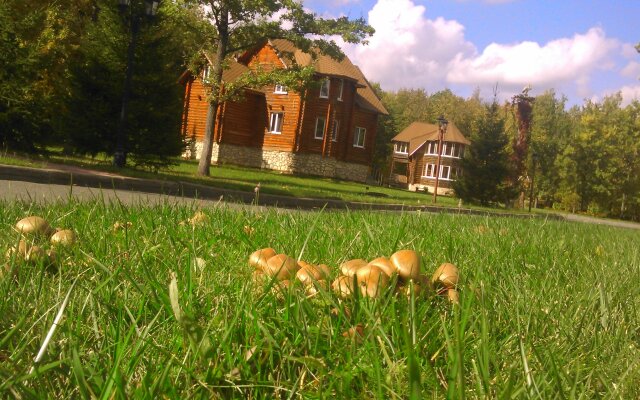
(548, 309)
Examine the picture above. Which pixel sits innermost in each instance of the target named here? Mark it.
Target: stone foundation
(429, 188)
(284, 161)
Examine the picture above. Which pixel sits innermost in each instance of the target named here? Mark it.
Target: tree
(242, 24)
(155, 105)
(485, 163)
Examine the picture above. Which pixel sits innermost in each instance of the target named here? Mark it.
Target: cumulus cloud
(630, 93)
(631, 70)
(409, 49)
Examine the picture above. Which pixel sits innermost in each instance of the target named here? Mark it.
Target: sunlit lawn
(548, 309)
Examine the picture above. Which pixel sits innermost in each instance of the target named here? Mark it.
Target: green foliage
(485, 164)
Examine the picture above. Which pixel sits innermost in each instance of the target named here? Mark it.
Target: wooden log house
(415, 156)
(328, 131)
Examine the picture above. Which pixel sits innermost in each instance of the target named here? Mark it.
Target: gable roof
(419, 133)
(229, 74)
(325, 65)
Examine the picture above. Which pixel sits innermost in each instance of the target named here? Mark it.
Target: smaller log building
(415, 156)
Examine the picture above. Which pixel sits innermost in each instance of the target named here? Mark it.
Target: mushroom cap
(317, 286)
(446, 275)
(407, 263)
(281, 266)
(65, 237)
(33, 225)
(349, 268)
(385, 265)
(343, 286)
(309, 273)
(258, 259)
(372, 281)
(35, 254)
(198, 218)
(453, 296)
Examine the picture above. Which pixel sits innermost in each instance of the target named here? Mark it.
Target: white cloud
(555, 62)
(411, 50)
(630, 93)
(631, 70)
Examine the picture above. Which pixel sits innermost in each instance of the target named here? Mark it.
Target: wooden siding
(195, 113)
(369, 121)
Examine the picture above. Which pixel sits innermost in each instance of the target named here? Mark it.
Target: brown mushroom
(33, 225)
(349, 268)
(20, 251)
(407, 263)
(258, 258)
(343, 286)
(65, 237)
(372, 281)
(453, 296)
(446, 276)
(316, 287)
(281, 266)
(309, 273)
(385, 265)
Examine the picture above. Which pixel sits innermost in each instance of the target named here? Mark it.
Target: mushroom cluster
(34, 230)
(369, 278)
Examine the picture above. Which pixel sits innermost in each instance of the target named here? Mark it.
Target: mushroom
(281, 266)
(343, 286)
(407, 263)
(198, 218)
(355, 332)
(65, 237)
(316, 287)
(453, 296)
(446, 276)
(33, 225)
(349, 268)
(309, 273)
(385, 265)
(258, 258)
(372, 281)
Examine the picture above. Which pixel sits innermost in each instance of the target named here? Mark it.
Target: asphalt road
(11, 190)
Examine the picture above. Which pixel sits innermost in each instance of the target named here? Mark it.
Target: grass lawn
(548, 309)
(246, 179)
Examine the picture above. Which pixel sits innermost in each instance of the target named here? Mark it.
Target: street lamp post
(120, 153)
(442, 129)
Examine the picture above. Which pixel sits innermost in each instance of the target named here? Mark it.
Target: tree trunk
(222, 43)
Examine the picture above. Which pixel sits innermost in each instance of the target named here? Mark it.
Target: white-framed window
(340, 89)
(280, 89)
(401, 147)
(432, 149)
(445, 170)
(335, 130)
(358, 137)
(206, 72)
(275, 122)
(320, 124)
(324, 88)
(429, 171)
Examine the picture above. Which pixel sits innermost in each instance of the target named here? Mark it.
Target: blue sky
(580, 48)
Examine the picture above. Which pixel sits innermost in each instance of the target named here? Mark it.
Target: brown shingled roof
(418, 133)
(326, 65)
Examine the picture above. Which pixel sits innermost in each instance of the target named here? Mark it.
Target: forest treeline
(582, 158)
(62, 70)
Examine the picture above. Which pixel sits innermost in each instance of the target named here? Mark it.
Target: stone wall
(284, 161)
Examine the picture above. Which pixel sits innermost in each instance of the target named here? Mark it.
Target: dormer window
(280, 89)
(324, 89)
(401, 147)
(340, 88)
(206, 71)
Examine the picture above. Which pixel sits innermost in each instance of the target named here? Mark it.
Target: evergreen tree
(485, 163)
